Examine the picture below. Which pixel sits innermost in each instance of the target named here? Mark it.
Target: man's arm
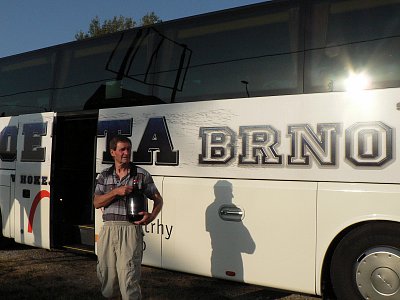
(106, 199)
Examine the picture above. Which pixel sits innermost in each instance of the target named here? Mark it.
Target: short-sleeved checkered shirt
(108, 180)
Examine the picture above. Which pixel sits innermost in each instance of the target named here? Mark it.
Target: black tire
(358, 257)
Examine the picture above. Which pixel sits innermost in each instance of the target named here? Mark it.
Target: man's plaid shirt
(108, 180)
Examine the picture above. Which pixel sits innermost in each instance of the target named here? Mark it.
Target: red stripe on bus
(42, 194)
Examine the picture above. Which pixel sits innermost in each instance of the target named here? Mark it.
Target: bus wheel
(366, 263)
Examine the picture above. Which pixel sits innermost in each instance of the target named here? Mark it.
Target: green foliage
(149, 19)
(98, 28)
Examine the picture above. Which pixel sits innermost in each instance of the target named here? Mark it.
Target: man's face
(122, 153)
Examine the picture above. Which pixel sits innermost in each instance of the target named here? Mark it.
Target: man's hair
(119, 139)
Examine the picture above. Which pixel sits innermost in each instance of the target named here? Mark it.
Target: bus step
(86, 233)
(79, 234)
(79, 248)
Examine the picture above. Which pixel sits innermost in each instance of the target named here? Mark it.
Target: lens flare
(357, 82)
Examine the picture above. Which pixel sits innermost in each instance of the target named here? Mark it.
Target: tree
(97, 28)
(150, 18)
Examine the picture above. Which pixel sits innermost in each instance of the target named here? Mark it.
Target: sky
(27, 25)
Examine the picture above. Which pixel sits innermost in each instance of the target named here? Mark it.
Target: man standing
(120, 244)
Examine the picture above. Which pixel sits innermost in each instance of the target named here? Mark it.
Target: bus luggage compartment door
(32, 186)
(238, 230)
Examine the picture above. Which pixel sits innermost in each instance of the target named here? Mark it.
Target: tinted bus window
(26, 82)
(105, 72)
(352, 37)
(25, 103)
(255, 48)
(254, 51)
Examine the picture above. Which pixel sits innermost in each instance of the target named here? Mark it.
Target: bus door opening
(73, 179)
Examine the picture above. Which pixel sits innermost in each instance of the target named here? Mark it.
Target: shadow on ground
(31, 273)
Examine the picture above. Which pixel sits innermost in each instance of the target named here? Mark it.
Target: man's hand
(123, 190)
(147, 218)
(104, 200)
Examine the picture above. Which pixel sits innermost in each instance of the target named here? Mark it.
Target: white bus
(271, 131)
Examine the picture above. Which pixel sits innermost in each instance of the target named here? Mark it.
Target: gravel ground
(31, 273)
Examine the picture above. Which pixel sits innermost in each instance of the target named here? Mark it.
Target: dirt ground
(31, 273)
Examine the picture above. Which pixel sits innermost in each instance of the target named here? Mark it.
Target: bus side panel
(154, 232)
(294, 137)
(32, 186)
(278, 226)
(341, 205)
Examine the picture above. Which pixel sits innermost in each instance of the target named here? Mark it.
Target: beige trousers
(119, 253)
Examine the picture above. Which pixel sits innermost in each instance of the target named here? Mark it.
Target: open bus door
(32, 179)
(73, 178)
(60, 214)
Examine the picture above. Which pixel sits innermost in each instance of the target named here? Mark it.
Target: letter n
(320, 145)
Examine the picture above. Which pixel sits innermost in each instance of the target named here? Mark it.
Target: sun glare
(357, 82)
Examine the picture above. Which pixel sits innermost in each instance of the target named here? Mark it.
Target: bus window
(352, 37)
(115, 77)
(26, 82)
(234, 55)
(144, 64)
(25, 103)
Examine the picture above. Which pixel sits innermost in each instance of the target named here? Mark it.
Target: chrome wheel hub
(378, 274)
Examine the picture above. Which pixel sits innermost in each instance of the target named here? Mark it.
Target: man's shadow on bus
(229, 237)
